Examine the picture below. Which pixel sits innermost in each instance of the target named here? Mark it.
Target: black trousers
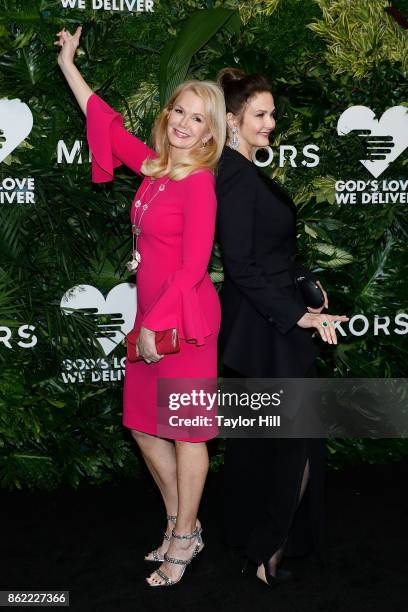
(262, 482)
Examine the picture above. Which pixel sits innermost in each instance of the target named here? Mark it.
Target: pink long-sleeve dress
(174, 288)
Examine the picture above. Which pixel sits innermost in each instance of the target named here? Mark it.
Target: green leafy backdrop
(322, 57)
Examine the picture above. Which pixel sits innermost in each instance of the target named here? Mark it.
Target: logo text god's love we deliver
(138, 6)
(16, 123)
(372, 192)
(383, 139)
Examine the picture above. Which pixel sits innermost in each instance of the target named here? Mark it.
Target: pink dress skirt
(173, 286)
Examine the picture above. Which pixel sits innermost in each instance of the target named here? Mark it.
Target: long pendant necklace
(136, 258)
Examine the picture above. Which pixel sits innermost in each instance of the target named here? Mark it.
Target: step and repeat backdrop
(339, 75)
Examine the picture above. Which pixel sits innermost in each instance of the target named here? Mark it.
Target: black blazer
(256, 230)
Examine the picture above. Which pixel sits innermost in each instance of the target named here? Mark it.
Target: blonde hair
(199, 157)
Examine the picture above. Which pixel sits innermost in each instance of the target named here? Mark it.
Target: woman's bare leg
(277, 556)
(192, 468)
(160, 458)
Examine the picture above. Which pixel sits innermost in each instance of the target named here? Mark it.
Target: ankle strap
(172, 517)
(187, 536)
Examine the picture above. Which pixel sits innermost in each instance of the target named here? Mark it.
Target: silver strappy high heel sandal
(155, 555)
(184, 562)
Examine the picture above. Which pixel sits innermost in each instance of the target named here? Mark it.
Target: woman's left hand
(325, 303)
(146, 345)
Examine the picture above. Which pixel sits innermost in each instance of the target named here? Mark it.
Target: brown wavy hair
(239, 87)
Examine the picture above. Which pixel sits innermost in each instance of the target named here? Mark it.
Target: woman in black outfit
(273, 487)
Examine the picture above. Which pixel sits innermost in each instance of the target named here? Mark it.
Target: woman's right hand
(69, 44)
(327, 332)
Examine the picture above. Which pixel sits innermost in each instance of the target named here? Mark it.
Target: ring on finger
(325, 323)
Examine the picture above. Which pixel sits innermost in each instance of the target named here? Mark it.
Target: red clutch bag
(167, 342)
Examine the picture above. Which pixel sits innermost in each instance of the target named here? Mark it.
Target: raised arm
(110, 143)
(69, 44)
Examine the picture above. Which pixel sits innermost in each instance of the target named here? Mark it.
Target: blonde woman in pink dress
(174, 289)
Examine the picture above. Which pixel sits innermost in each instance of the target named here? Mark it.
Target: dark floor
(92, 543)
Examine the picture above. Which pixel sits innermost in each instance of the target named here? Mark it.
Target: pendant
(133, 263)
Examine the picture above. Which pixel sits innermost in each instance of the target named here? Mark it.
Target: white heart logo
(119, 306)
(16, 123)
(385, 138)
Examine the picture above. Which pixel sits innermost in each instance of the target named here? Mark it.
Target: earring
(203, 143)
(233, 140)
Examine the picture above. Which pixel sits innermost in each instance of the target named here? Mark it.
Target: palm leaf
(177, 53)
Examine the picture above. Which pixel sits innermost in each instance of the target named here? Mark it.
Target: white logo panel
(385, 138)
(119, 306)
(16, 123)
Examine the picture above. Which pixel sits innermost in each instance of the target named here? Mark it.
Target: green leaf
(336, 257)
(177, 54)
(310, 231)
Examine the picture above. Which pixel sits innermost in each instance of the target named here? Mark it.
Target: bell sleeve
(110, 143)
(177, 303)
(236, 195)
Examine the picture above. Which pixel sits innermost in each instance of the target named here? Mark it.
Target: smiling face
(257, 123)
(187, 126)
